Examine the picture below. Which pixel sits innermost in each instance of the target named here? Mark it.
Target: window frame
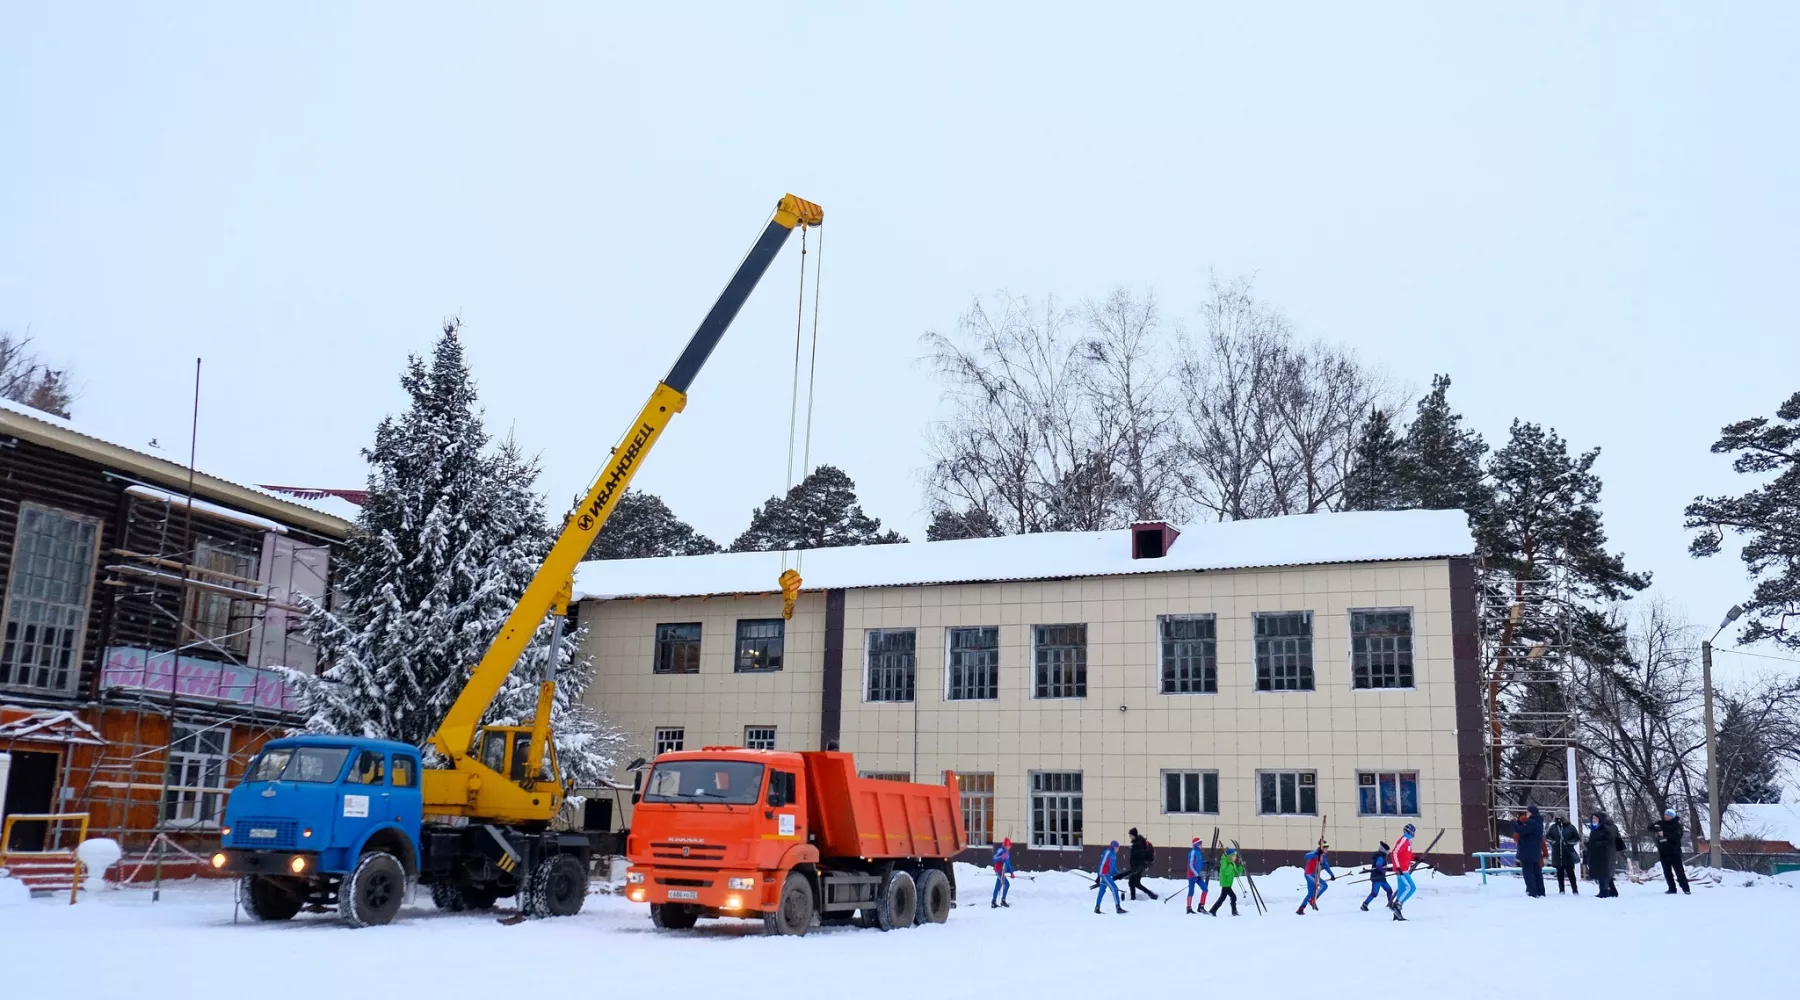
(1209, 670)
(1302, 784)
(750, 743)
(203, 803)
(1202, 773)
(1039, 682)
(951, 667)
(1411, 652)
(1309, 670)
(1399, 776)
(1074, 811)
(893, 691)
(200, 611)
(977, 807)
(658, 643)
(738, 649)
(660, 736)
(68, 650)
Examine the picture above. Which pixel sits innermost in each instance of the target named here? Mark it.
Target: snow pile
(13, 893)
(1304, 539)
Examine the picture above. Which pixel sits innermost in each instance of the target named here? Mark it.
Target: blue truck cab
(325, 819)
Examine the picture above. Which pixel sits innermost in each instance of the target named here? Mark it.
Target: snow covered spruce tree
(642, 527)
(447, 540)
(820, 513)
(1377, 477)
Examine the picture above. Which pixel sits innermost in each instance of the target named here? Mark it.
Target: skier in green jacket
(1230, 867)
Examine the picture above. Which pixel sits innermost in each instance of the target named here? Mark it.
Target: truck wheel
(673, 916)
(479, 897)
(899, 902)
(266, 899)
(456, 898)
(935, 897)
(793, 912)
(371, 894)
(559, 884)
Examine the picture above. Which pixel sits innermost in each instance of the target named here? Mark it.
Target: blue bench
(1499, 865)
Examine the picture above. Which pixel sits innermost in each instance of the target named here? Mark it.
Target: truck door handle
(768, 814)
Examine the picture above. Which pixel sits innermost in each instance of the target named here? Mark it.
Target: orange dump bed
(872, 818)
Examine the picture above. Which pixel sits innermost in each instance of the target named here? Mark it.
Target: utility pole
(1712, 759)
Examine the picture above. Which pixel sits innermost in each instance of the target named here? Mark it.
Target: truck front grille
(690, 883)
(281, 834)
(688, 852)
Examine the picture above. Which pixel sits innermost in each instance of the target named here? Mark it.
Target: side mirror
(775, 799)
(637, 783)
(636, 798)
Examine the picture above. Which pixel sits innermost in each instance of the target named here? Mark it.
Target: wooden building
(142, 629)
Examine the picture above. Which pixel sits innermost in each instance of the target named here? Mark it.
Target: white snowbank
(1305, 539)
(13, 893)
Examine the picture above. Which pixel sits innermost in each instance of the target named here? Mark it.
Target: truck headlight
(218, 860)
(745, 884)
(734, 903)
(634, 878)
(224, 831)
(297, 865)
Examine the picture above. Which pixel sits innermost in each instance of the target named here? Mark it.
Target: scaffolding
(1528, 709)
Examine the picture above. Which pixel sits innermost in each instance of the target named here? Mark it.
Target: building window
(1387, 793)
(1288, 793)
(1190, 791)
(677, 649)
(215, 618)
(1190, 654)
(891, 662)
(670, 739)
(1284, 651)
(1056, 810)
(759, 737)
(1060, 655)
(886, 775)
(759, 642)
(1381, 648)
(196, 791)
(977, 807)
(46, 603)
(974, 664)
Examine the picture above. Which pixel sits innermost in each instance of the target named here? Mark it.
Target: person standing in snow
(1604, 845)
(1196, 874)
(1003, 871)
(1403, 866)
(1318, 865)
(1565, 853)
(1142, 854)
(1668, 851)
(1109, 866)
(1528, 834)
(1230, 867)
(1378, 884)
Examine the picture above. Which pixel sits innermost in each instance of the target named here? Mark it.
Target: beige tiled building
(1259, 677)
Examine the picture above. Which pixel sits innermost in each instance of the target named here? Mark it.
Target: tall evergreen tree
(948, 524)
(448, 538)
(1377, 479)
(821, 512)
(1767, 517)
(1441, 459)
(642, 526)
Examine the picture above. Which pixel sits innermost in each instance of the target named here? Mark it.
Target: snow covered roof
(48, 726)
(1300, 540)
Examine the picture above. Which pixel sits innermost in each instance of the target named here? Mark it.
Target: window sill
(950, 699)
(1189, 694)
(1377, 690)
(757, 670)
(1310, 690)
(1038, 847)
(1310, 815)
(1069, 697)
(888, 701)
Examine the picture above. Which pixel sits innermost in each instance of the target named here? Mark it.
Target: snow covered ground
(1461, 940)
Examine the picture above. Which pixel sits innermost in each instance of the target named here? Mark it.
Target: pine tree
(643, 527)
(1377, 479)
(1768, 517)
(822, 512)
(947, 525)
(1441, 460)
(448, 538)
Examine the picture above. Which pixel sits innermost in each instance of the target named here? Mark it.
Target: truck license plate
(683, 894)
(261, 833)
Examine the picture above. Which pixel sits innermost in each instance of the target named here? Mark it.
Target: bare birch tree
(26, 378)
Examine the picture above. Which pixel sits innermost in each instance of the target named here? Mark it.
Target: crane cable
(790, 577)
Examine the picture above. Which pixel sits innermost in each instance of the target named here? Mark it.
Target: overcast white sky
(1584, 213)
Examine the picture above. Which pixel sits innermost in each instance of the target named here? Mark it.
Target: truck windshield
(316, 764)
(729, 782)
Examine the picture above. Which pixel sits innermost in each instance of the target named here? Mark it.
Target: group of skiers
(1560, 846)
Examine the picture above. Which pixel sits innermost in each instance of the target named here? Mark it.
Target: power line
(1763, 656)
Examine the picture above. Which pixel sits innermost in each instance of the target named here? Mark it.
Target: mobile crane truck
(342, 821)
(730, 832)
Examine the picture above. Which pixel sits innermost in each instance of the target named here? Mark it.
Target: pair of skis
(1250, 880)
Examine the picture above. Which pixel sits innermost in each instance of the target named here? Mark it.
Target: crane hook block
(790, 592)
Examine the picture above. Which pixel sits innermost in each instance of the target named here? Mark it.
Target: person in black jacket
(1565, 853)
(1604, 845)
(1528, 832)
(1142, 854)
(1668, 850)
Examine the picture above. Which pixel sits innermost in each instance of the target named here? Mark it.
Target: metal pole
(1713, 819)
(1574, 799)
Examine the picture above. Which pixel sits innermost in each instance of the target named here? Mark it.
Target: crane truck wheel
(456, 898)
(371, 894)
(558, 887)
(266, 899)
(899, 902)
(673, 916)
(793, 912)
(934, 897)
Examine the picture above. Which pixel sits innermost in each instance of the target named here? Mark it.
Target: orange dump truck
(790, 837)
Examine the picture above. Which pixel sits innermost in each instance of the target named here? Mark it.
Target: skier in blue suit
(1109, 866)
(1003, 869)
(1196, 871)
(1378, 883)
(1318, 865)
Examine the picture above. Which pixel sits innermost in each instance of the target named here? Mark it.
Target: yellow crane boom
(471, 787)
